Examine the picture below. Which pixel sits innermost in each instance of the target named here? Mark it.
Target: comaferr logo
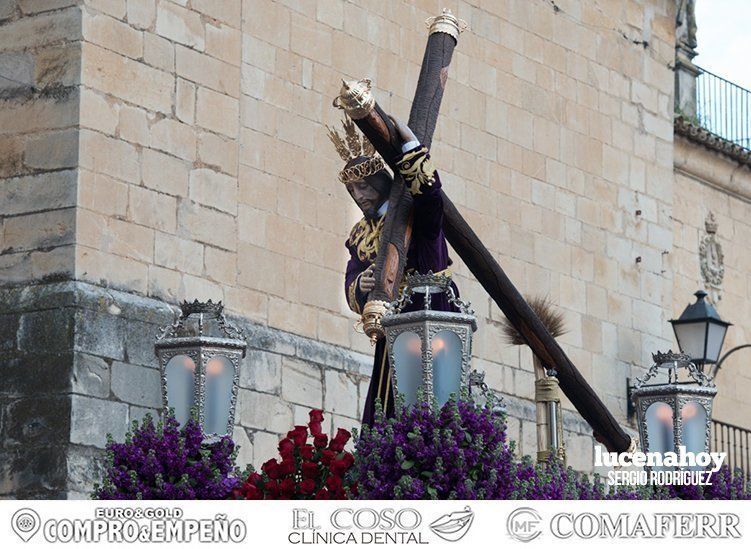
(644, 525)
(524, 524)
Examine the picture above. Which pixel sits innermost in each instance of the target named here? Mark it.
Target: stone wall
(79, 365)
(39, 100)
(707, 181)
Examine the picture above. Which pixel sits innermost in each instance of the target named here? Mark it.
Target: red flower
(339, 466)
(309, 469)
(334, 483)
(322, 494)
(251, 491)
(341, 438)
(306, 452)
(271, 468)
(254, 479)
(286, 467)
(327, 456)
(271, 488)
(320, 441)
(316, 416)
(299, 435)
(287, 487)
(286, 447)
(307, 486)
(315, 428)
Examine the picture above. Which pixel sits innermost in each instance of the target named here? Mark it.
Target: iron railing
(723, 108)
(736, 442)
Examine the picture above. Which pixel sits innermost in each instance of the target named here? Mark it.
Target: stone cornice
(712, 141)
(695, 155)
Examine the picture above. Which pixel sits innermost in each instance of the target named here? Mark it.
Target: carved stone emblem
(711, 258)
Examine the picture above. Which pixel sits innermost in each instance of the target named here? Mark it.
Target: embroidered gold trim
(352, 295)
(365, 236)
(417, 170)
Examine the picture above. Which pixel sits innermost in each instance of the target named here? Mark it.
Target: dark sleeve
(355, 298)
(423, 182)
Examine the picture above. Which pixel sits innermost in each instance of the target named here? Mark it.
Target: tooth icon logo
(25, 523)
(454, 526)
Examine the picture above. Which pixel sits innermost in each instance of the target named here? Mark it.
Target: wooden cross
(360, 105)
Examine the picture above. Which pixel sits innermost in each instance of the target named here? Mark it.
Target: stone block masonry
(79, 364)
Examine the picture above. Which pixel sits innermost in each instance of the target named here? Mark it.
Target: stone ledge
(711, 165)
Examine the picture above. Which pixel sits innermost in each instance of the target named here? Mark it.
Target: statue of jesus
(369, 183)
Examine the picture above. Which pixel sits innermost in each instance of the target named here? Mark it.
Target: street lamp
(430, 350)
(677, 412)
(700, 331)
(200, 366)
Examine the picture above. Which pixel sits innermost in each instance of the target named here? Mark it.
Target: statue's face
(366, 196)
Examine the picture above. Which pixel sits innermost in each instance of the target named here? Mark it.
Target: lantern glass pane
(219, 377)
(180, 374)
(694, 428)
(715, 338)
(660, 429)
(691, 338)
(447, 365)
(408, 365)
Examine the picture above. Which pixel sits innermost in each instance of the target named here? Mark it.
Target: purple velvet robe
(428, 251)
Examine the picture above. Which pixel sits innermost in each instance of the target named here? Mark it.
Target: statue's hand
(367, 280)
(405, 134)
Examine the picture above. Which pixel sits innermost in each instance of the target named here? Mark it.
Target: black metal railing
(723, 108)
(736, 442)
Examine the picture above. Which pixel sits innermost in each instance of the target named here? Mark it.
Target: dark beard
(372, 213)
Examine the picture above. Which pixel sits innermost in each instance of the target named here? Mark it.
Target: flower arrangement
(317, 470)
(166, 462)
(457, 452)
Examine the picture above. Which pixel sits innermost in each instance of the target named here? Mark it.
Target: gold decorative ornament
(372, 314)
(417, 170)
(447, 23)
(349, 146)
(355, 98)
(364, 237)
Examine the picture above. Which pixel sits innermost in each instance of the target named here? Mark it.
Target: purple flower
(166, 462)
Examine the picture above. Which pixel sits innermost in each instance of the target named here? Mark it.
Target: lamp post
(677, 412)
(430, 350)
(700, 331)
(199, 360)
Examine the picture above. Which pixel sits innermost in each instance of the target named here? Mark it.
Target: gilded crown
(351, 146)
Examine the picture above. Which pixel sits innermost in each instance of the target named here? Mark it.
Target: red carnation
(307, 486)
(271, 468)
(322, 494)
(316, 416)
(287, 487)
(315, 428)
(309, 469)
(320, 441)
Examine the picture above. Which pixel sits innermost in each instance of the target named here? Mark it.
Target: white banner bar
(271, 524)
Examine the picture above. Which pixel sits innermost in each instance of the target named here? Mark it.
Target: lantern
(700, 331)
(199, 360)
(429, 350)
(676, 412)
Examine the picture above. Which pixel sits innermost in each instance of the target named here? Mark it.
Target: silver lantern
(677, 411)
(429, 350)
(199, 359)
